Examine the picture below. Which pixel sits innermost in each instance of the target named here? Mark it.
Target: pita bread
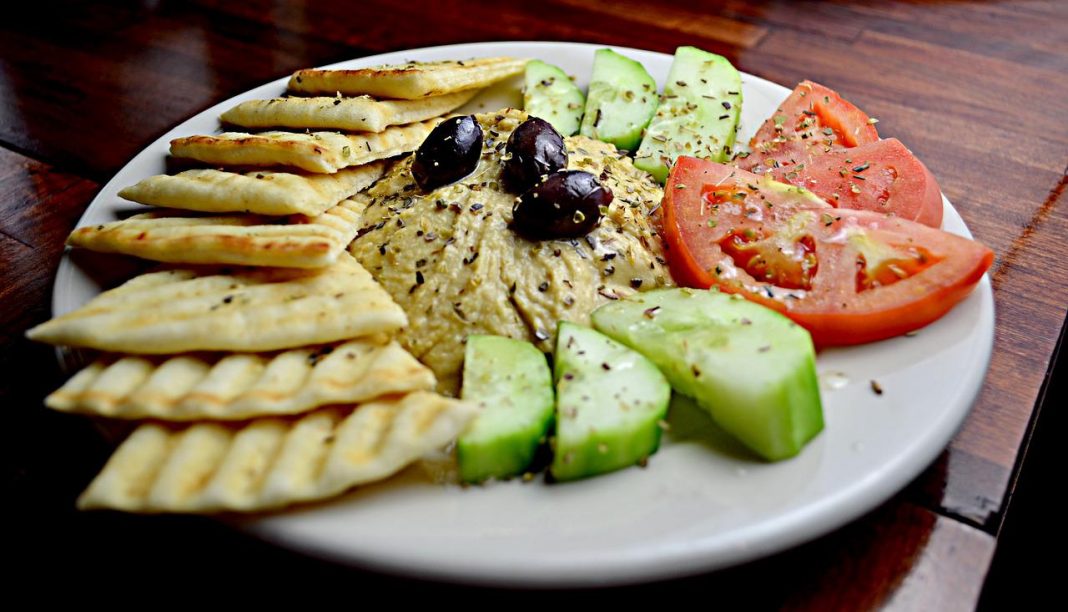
(314, 152)
(237, 386)
(322, 152)
(263, 192)
(269, 463)
(408, 81)
(216, 309)
(247, 240)
(361, 114)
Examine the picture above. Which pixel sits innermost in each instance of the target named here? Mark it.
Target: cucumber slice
(751, 368)
(698, 113)
(620, 102)
(553, 96)
(611, 402)
(510, 380)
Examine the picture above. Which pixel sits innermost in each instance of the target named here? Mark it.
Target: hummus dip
(450, 259)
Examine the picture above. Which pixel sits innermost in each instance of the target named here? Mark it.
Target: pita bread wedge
(236, 386)
(264, 192)
(248, 240)
(314, 152)
(270, 463)
(360, 114)
(220, 309)
(408, 81)
(320, 152)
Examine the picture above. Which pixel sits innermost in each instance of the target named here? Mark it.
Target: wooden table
(978, 90)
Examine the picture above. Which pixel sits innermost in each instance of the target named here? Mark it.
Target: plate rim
(828, 513)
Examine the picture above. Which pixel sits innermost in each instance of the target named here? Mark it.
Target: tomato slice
(812, 120)
(880, 176)
(821, 142)
(848, 276)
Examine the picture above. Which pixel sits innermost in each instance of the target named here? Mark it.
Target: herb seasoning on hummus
(451, 260)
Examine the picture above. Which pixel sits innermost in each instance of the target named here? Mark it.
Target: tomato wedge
(848, 276)
(812, 120)
(880, 176)
(821, 142)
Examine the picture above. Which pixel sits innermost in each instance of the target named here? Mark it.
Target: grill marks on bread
(244, 310)
(319, 152)
(269, 462)
(261, 192)
(408, 81)
(360, 114)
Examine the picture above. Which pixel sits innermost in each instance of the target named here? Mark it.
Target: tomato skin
(832, 306)
(844, 329)
(933, 208)
(881, 176)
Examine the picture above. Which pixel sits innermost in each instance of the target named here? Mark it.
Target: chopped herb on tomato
(848, 276)
(818, 154)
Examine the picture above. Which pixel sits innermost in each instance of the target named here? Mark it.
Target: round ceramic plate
(701, 503)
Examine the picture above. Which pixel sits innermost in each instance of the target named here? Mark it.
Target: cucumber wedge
(751, 368)
(552, 95)
(610, 404)
(620, 102)
(698, 113)
(511, 381)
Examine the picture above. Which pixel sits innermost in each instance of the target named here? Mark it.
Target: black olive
(566, 204)
(534, 150)
(450, 152)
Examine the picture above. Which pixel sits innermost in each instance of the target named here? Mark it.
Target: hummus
(451, 261)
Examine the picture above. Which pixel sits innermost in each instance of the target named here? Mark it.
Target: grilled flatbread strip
(215, 309)
(408, 81)
(269, 463)
(314, 152)
(237, 386)
(263, 192)
(361, 114)
(247, 240)
(321, 152)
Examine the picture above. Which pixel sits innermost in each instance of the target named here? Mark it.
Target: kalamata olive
(450, 152)
(566, 204)
(535, 149)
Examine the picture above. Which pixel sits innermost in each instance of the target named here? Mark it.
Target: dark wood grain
(964, 107)
(978, 90)
(39, 207)
(87, 88)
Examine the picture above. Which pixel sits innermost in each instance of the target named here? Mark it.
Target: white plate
(694, 508)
